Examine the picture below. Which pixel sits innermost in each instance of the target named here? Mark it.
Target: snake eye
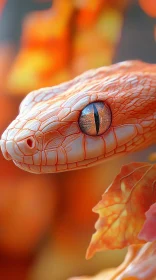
(95, 118)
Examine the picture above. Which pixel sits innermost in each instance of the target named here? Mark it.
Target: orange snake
(57, 130)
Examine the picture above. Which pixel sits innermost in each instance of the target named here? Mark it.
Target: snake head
(94, 117)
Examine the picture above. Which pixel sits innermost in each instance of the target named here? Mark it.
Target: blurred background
(46, 221)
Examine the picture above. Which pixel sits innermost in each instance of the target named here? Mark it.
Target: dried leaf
(143, 265)
(122, 208)
(139, 264)
(148, 231)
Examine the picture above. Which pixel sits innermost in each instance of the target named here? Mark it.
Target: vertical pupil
(96, 118)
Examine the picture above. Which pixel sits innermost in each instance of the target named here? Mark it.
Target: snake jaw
(28, 167)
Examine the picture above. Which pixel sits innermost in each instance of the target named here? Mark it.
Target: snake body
(46, 136)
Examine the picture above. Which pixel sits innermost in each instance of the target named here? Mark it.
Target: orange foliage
(148, 231)
(64, 47)
(149, 7)
(73, 38)
(139, 264)
(2, 3)
(123, 206)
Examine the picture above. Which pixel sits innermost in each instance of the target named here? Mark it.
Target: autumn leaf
(139, 264)
(148, 231)
(122, 208)
(142, 267)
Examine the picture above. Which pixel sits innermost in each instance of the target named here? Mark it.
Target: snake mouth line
(37, 169)
(43, 169)
(28, 167)
(40, 169)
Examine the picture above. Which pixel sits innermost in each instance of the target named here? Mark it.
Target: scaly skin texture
(46, 137)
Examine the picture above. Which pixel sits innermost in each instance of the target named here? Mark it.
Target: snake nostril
(27, 146)
(30, 143)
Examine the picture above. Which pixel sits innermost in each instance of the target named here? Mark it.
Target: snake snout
(4, 150)
(17, 150)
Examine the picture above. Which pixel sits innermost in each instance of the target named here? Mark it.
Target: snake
(96, 116)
